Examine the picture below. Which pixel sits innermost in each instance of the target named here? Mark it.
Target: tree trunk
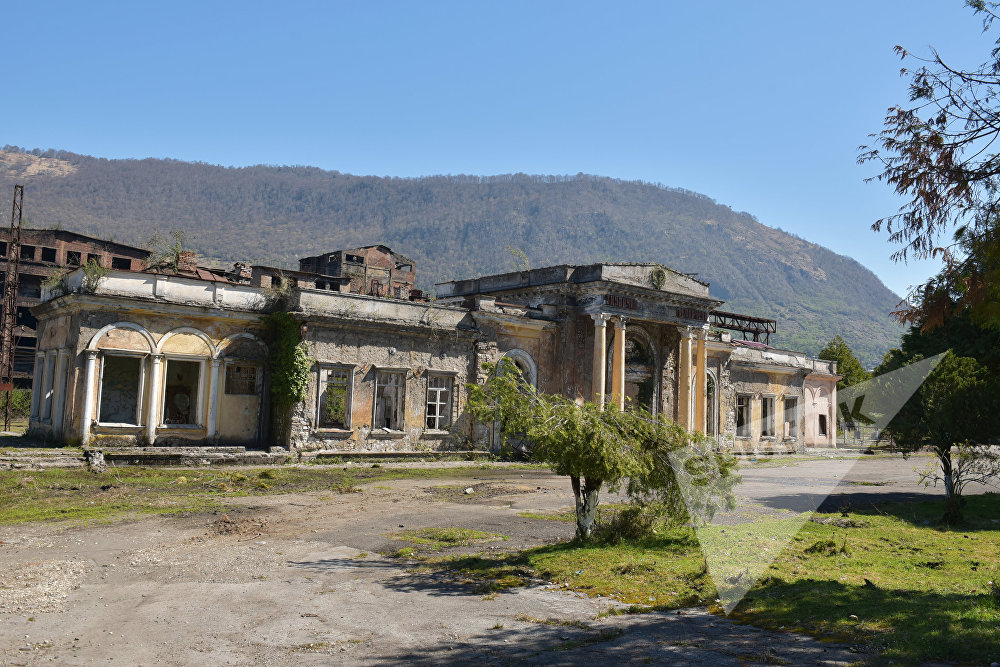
(586, 505)
(953, 507)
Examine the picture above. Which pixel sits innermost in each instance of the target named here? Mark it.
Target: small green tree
(647, 456)
(848, 366)
(954, 414)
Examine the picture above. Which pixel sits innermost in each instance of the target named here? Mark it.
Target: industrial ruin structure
(154, 358)
(52, 252)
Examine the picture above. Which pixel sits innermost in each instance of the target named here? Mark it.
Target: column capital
(91, 354)
(216, 362)
(620, 321)
(157, 358)
(600, 319)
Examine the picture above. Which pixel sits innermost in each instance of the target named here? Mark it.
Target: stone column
(59, 393)
(684, 380)
(153, 406)
(599, 377)
(88, 396)
(213, 402)
(618, 365)
(701, 368)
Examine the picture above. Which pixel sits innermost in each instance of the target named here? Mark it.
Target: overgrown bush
(20, 402)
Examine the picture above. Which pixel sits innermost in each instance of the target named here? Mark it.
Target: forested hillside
(461, 226)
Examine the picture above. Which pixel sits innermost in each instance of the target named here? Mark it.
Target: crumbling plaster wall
(367, 347)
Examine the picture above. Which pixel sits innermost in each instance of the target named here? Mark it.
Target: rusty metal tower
(8, 318)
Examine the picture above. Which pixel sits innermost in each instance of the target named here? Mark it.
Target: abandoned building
(46, 253)
(160, 359)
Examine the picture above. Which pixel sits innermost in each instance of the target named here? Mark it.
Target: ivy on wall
(289, 366)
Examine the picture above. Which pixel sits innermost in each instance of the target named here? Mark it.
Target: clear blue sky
(760, 105)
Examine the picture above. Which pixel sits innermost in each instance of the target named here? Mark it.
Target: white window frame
(139, 415)
(447, 412)
(767, 421)
(199, 415)
(400, 408)
(747, 417)
(793, 420)
(321, 379)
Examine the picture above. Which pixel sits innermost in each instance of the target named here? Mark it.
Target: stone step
(186, 456)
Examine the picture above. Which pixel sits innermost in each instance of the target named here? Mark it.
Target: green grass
(130, 492)
(435, 539)
(927, 598)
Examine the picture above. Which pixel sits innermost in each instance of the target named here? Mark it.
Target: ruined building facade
(177, 359)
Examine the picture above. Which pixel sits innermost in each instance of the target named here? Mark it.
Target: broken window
(73, 258)
(439, 390)
(335, 397)
(389, 397)
(822, 425)
(27, 252)
(48, 254)
(241, 380)
(354, 259)
(791, 417)
(180, 393)
(121, 263)
(743, 416)
(121, 380)
(767, 416)
(3, 248)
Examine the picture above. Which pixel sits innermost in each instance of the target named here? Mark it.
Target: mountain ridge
(463, 226)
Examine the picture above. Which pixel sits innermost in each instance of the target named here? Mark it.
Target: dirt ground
(299, 579)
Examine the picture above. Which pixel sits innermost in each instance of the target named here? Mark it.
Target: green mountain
(462, 226)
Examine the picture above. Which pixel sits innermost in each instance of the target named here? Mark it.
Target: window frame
(767, 421)
(321, 374)
(401, 407)
(822, 428)
(449, 403)
(140, 416)
(747, 431)
(199, 402)
(793, 422)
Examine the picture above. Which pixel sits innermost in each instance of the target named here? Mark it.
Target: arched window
(711, 405)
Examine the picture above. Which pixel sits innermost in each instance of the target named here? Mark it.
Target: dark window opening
(28, 252)
(743, 416)
(120, 390)
(354, 259)
(767, 416)
(389, 397)
(822, 425)
(73, 258)
(121, 263)
(180, 396)
(3, 248)
(48, 254)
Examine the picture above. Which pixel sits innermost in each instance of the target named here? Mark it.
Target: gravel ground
(299, 579)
